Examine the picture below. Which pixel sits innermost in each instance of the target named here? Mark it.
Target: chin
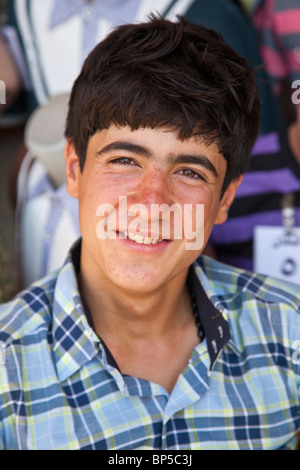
(138, 281)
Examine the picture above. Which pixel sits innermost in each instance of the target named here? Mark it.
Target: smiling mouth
(137, 238)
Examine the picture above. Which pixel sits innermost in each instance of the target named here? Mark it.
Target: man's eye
(123, 161)
(190, 173)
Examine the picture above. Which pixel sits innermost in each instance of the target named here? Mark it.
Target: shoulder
(262, 312)
(232, 282)
(29, 311)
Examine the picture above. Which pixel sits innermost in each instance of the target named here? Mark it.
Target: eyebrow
(128, 146)
(194, 159)
(146, 152)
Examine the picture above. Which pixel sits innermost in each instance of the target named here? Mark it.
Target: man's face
(127, 176)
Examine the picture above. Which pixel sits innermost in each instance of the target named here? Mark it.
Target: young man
(56, 36)
(132, 344)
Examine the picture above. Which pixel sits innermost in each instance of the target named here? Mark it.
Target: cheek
(96, 191)
(202, 193)
(210, 210)
(98, 203)
(197, 199)
(88, 203)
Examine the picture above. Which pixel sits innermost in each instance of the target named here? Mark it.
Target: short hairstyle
(163, 74)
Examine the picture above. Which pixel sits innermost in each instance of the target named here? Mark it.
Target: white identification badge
(277, 252)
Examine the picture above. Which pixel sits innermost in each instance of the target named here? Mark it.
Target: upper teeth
(139, 239)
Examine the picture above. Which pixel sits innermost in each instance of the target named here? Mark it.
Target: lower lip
(142, 247)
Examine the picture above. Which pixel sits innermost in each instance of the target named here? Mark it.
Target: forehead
(160, 145)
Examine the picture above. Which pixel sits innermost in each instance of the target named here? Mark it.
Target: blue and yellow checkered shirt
(240, 389)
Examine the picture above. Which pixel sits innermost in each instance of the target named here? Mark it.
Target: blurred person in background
(269, 195)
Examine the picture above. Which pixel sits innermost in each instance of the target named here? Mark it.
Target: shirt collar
(116, 11)
(224, 296)
(74, 342)
(216, 327)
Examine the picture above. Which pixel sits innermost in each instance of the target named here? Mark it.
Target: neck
(132, 314)
(151, 335)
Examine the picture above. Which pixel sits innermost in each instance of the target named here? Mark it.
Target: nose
(152, 199)
(153, 188)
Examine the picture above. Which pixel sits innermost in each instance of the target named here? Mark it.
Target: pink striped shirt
(278, 23)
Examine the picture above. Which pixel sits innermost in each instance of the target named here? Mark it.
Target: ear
(72, 169)
(227, 200)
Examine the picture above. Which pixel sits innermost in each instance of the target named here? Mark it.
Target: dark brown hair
(175, 75)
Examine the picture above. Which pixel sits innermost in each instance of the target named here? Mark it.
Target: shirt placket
(191, 386)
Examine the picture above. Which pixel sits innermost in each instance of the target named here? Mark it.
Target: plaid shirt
(240, 389)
